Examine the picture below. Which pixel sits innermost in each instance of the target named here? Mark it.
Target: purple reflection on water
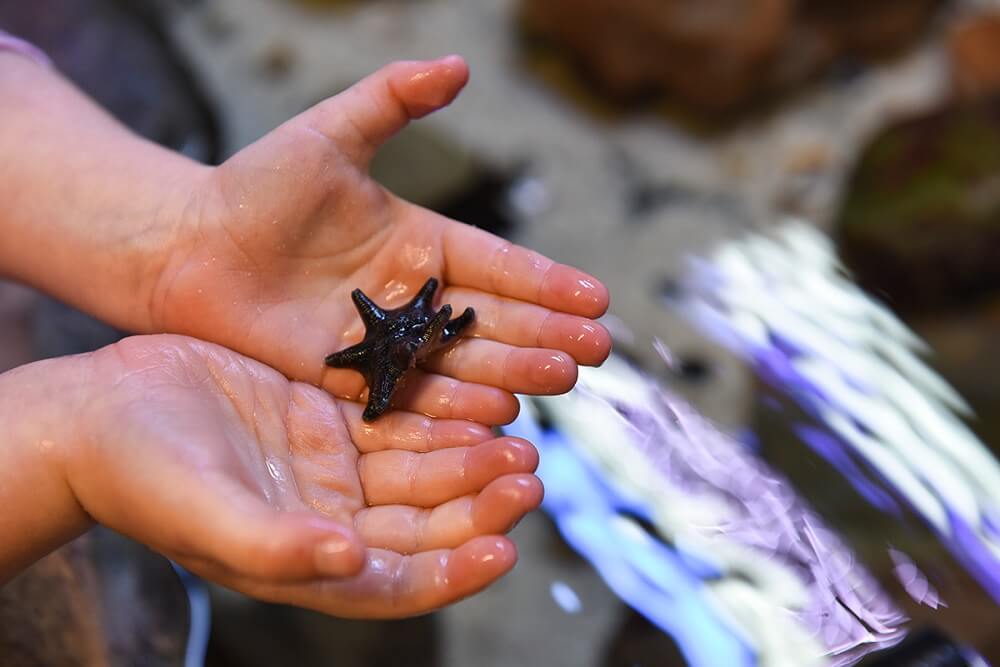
(844, 608)
(758, 329)
(914, 582)
(837, 455)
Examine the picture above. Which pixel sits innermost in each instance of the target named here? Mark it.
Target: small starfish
(396, 340)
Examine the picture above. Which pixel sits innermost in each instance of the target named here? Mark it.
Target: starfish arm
(380, 391)
(425, 297)
(457, 325)
(437, 324)
(355, 357)
(370, 313)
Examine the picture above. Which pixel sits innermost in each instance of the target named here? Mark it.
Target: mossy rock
(920, 224)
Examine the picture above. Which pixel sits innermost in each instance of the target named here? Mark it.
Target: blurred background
(621, 136)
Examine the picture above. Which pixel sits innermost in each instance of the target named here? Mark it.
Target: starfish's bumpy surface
(396, 340)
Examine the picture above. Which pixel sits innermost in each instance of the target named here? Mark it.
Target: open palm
(277, 237)
(278, 490)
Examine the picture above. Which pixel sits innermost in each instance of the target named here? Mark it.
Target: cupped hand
(277, 489)
(274, 240)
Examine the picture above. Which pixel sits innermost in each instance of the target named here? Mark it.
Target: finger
(396, 477)
(477, 259)
(364, 116)
(407, 529)
(392, 585)
(516, 369)
(529, 325)
(433, 395)
(410, 431)
(224, 522)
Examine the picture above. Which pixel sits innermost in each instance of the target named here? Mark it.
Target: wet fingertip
(575, 292)
(599, 297)
(493, 553)
(532, 489)
(603, 345)
(556, 373)
(520, 491)
(456, 63)
(512, 408)
(339, 554)
(526, 452)
(500, 409)
(433, 84)
(504, 554)
(504, 456)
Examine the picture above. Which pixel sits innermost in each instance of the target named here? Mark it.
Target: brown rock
(866, 29)
(920, 220)
(277, 61)
(718, 56)
(974, 48)
(49, 615)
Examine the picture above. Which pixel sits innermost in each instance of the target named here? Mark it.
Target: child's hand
(276, 489)
(274, 240)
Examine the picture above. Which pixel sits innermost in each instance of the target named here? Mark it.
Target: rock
(277, 61)
(920, 223)
(49, 613)
(100, 601)
(974, 50)
(720, 56)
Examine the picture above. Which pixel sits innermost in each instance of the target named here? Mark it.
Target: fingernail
(330, 554)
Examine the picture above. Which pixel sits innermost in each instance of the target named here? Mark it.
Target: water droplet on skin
(276, 469)
(395, 289)
(416, 257)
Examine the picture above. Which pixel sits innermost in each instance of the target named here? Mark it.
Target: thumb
(245, 534)
(364, 116)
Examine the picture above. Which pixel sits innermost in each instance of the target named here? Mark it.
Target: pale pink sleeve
(13, 44)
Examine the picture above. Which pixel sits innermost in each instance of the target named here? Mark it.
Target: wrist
(156, 233)
(174, 238)
(89, 207)
(40, 409)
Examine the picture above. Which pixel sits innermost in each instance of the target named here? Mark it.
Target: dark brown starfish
(396, 340)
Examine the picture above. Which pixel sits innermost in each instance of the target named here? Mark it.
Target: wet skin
(274, 241)
(271, 487)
